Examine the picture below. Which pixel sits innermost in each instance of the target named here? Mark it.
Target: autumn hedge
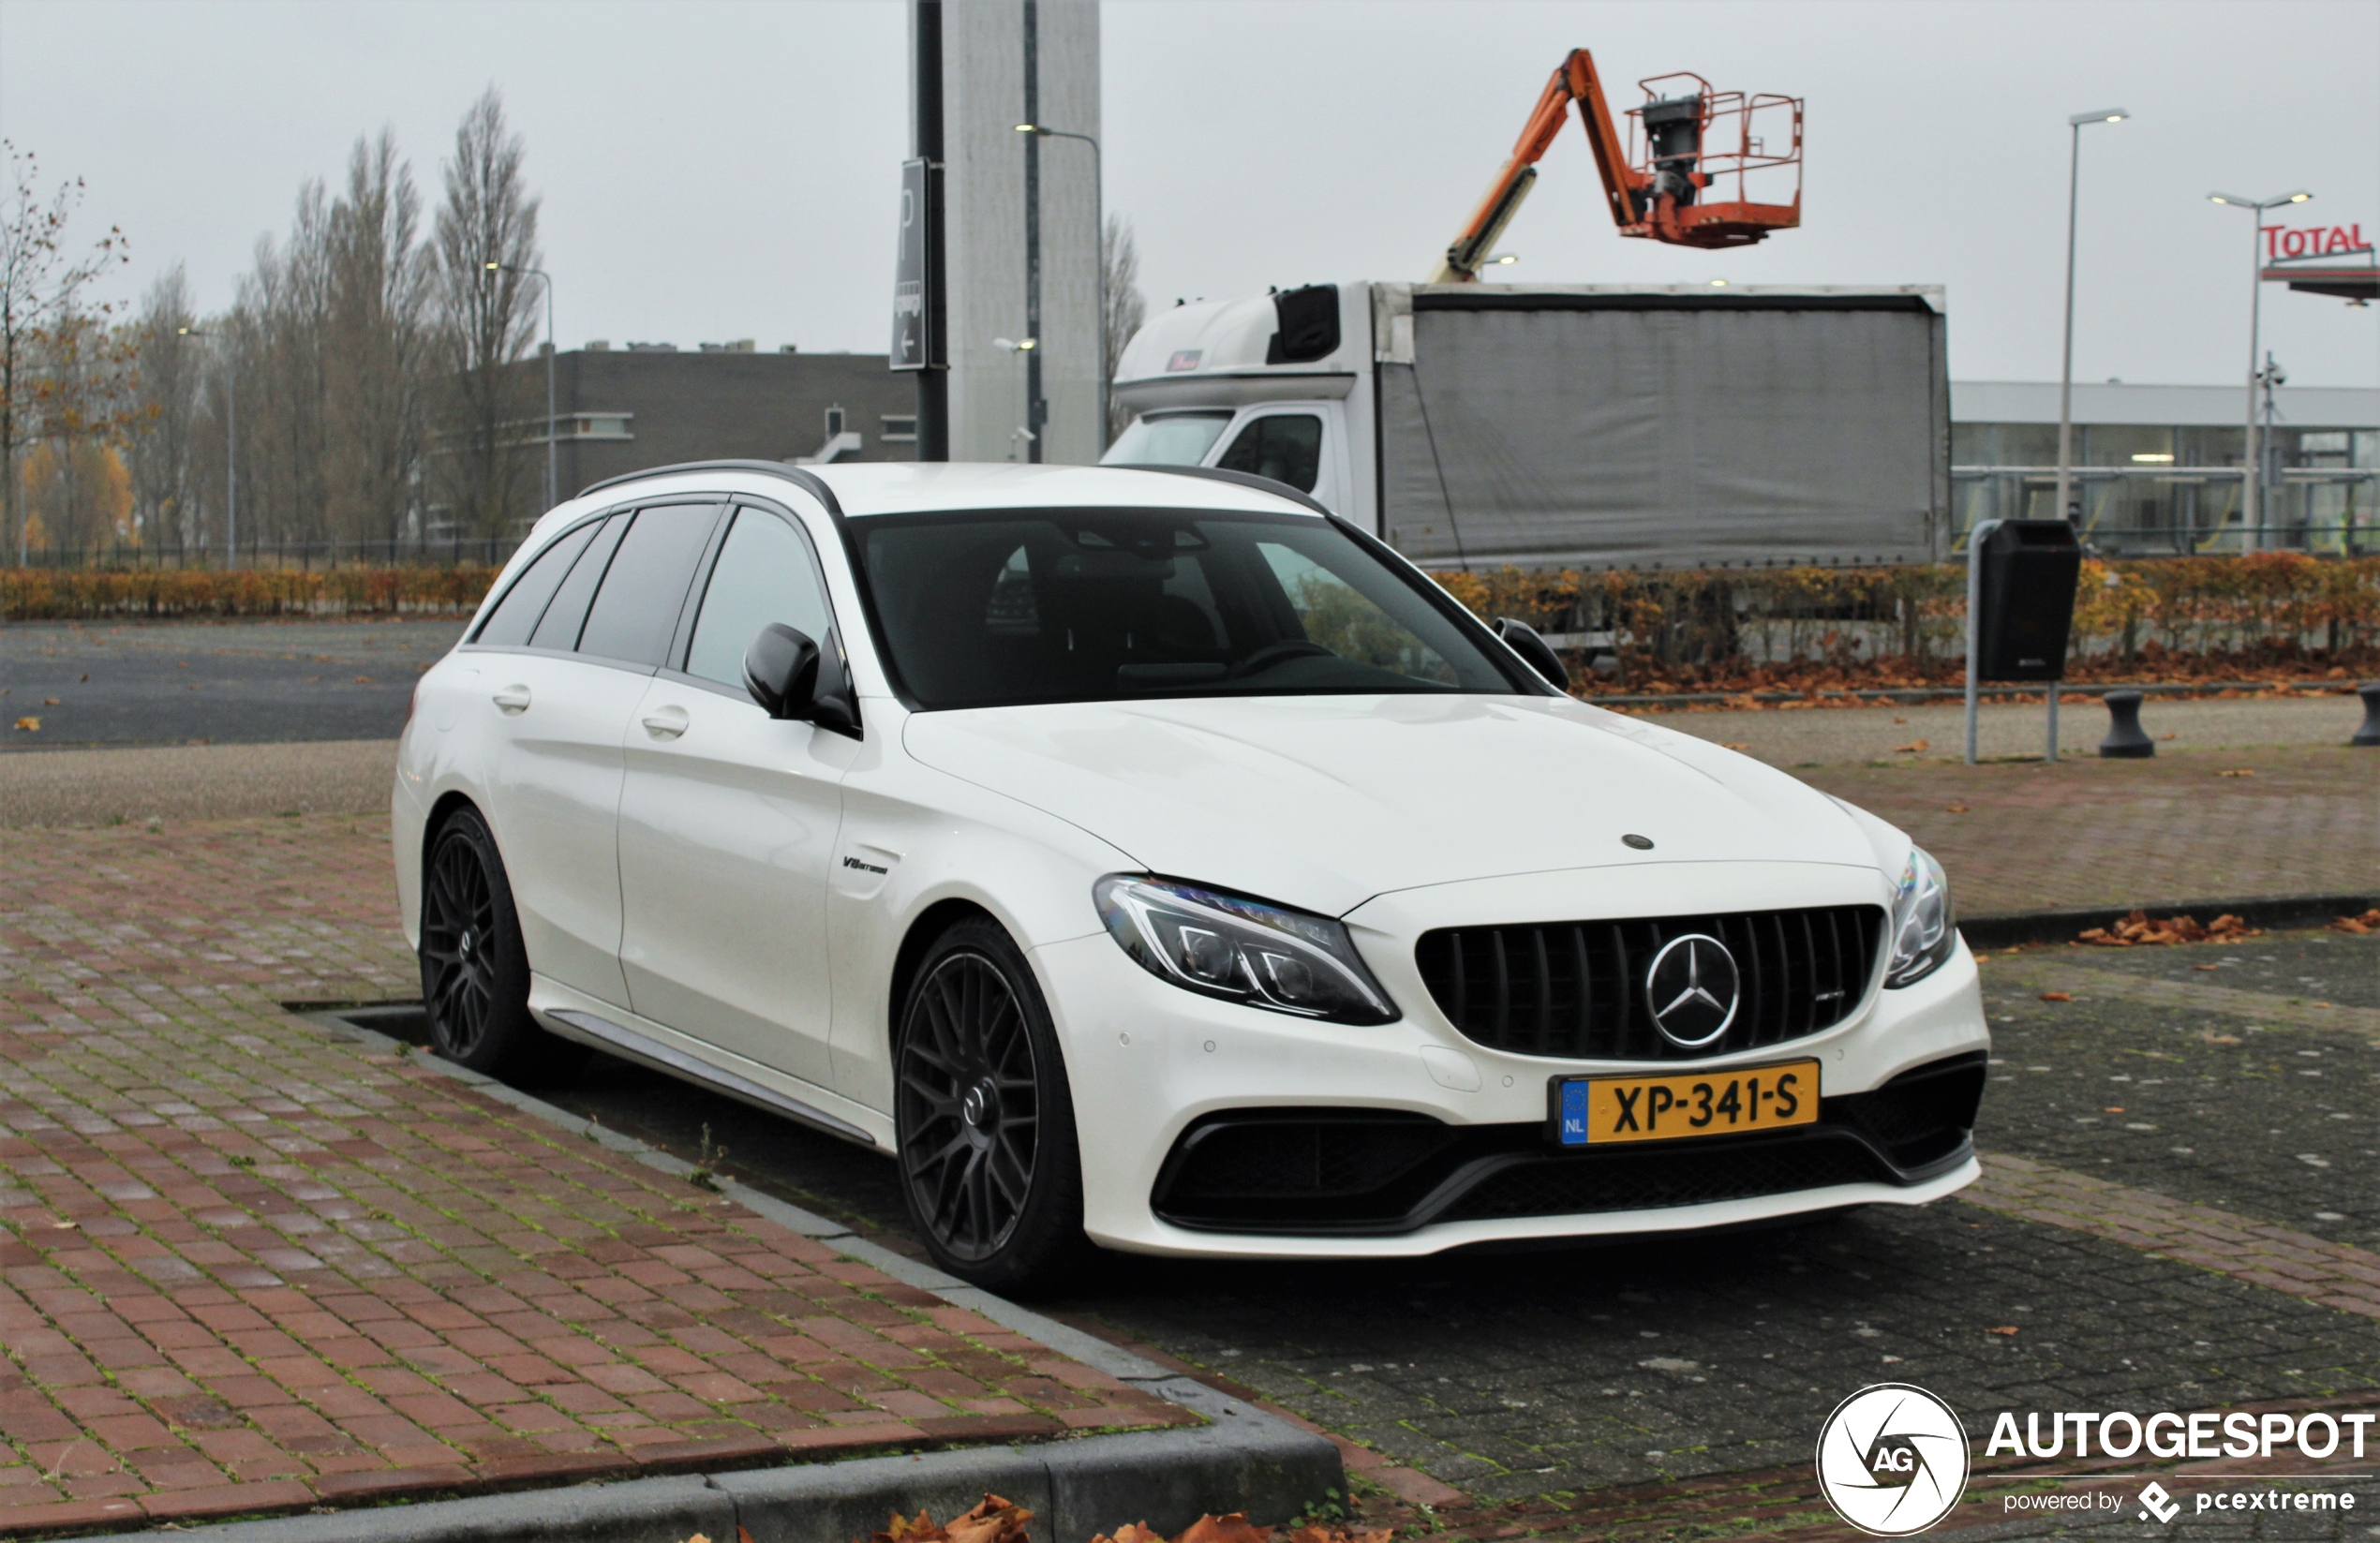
(1724, 627)
(40, 594)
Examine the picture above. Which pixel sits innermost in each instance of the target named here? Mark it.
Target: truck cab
(1276, 384)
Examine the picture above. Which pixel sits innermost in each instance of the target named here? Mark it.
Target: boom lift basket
(1695, 156)
(1684, 174)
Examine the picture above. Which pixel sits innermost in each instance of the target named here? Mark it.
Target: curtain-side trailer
(1595, 425)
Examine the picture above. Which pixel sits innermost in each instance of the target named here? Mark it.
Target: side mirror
(793, 677)
(781, 670)
(1524, 640)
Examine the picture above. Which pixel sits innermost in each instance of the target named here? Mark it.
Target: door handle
(513, 700)
(666, 722)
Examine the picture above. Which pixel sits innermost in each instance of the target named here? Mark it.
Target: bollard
(2370, 732)
(2126, 741)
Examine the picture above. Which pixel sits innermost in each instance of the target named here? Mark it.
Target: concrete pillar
(984, 192)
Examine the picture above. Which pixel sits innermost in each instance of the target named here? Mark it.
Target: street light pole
(553, 487)
(1099, 251)
(2066, 369)
(2252, 458)
(231, 452)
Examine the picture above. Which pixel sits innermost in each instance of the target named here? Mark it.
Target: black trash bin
(2026, 607)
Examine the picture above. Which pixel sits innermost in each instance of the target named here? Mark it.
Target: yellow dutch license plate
(1595, 1111)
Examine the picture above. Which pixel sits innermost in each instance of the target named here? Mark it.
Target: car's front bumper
(1147, 1061)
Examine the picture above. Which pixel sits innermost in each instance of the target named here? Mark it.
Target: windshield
(1168, 439)
(1085, 606)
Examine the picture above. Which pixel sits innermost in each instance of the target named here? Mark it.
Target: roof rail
(809, 482)
(1220, 474)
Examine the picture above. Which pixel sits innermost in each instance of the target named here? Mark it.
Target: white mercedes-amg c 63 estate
(1155, 859)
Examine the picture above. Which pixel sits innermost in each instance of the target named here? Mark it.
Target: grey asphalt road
(1522, 1374)
(179, 683)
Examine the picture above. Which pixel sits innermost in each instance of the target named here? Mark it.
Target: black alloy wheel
(987, 1155)
(474, 967)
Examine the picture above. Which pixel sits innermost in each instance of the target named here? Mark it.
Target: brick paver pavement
(247, 1265)
(2034, 971)
(2092, 831)
(2259, 1252)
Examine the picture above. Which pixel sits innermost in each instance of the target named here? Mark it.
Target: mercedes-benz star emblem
(1691, 989)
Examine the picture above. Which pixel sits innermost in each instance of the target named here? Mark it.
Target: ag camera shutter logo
(1892, 1460)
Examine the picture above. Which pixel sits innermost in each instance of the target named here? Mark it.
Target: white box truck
(1570, 425)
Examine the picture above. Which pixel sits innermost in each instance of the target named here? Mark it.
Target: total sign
(2286, 240)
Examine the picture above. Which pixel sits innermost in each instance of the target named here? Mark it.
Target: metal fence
(2165, 511)
(128, 557)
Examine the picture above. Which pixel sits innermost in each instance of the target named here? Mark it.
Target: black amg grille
(1576, 989)
(1381, 1172)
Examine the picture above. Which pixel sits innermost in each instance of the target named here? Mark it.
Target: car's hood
(1325, 801)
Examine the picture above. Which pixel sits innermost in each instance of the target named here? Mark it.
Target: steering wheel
(1274, 653)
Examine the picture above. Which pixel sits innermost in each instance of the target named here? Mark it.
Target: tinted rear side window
(636, 611)
(560, 630)
(515, 615)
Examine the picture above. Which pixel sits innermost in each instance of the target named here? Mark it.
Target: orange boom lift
(1658, 183)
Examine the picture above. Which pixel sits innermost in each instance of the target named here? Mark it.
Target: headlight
(1922, 935)
(1243, 950)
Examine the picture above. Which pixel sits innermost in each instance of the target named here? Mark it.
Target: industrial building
(624, 409)
(2158, 468)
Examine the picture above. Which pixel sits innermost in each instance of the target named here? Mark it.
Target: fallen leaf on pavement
(2113, 1108)
(1955, 808)
(993, 1521)
(363, 680)
(2206, 967)
(1741, 745)
(2367, 922)
(2009, 1329)
(2138, 930)
(2057, 996)
(1319, 1533)
(1134, 1532)
(1234, 1528)
(50, 702)
(1913, 747)
(2241, 772)
(2164, 736)
(2212, 1038)
(30, 725)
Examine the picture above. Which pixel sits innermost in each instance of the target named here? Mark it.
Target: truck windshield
(1166, 439)
(1081, 605)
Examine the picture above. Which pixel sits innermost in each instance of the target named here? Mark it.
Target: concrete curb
(1240, 1460)
(1245, 1460)
(2010, 929)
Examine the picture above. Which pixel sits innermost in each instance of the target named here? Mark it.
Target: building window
(900, 431)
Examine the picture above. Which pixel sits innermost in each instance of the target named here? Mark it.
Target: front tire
(984, 1116)
(474, 966)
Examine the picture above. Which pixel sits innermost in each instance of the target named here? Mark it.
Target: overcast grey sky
(728, 169)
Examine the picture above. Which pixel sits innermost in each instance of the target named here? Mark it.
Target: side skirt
(645, 1046)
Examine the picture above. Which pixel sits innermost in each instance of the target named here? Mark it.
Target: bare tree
(39, 287)
(279, 337)
(486, 240)
(169, 376)
(1127, 308)
(380, 289)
